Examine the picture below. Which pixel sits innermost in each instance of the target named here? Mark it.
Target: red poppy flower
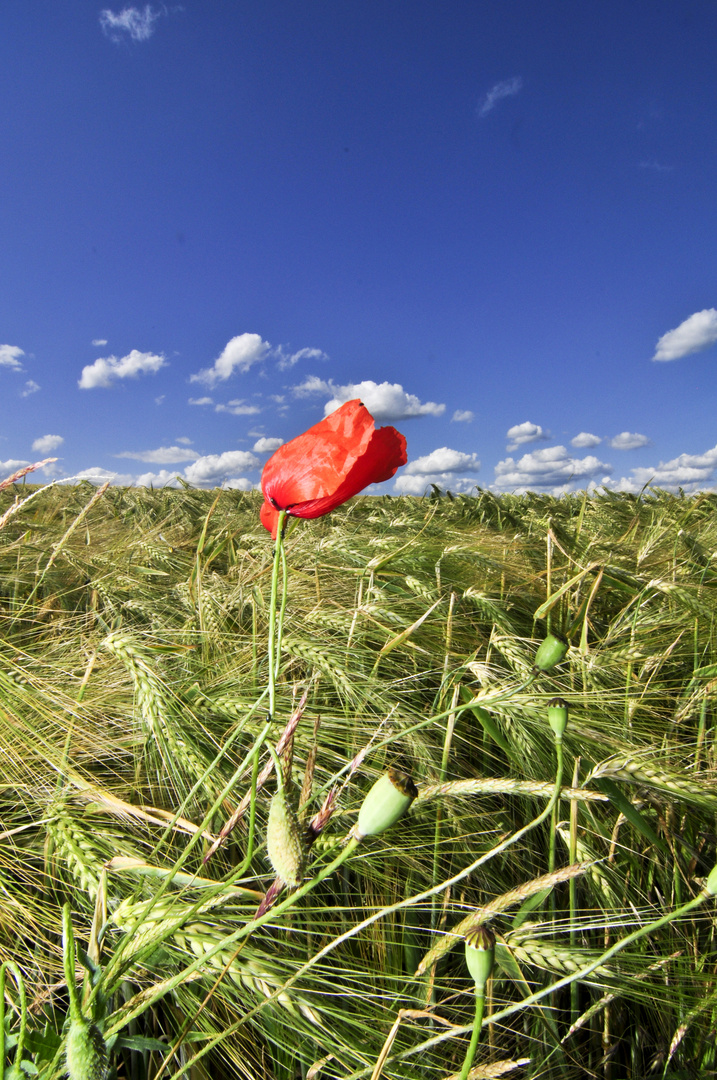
(331, 462)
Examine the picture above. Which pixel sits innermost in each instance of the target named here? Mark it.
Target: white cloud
(165, 455)
(505, 89)
(47, 443)
(137, 25)
(585, 440)
(12, 465)
(214, 469)
(107, 369)
(462, 416)
(184, 440)
(691, 472)
(442, 468)
(694, 334)
(288, 361)
(99, 341)
(385, 401)
(96, 475)
(264, 445)
(419, 482)
(159, 400)
(31, 387)
(443, 460)
(10, 357)
(238, 407)
(525, 433)
(312, 384)
(239, 354)
(200, 401)
(629, 440)
(238, 484)
(163, 478)
(552, 468)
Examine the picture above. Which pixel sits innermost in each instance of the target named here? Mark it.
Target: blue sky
(495, 223)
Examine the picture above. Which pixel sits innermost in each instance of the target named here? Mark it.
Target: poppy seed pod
(711, 883)
(386, 802)
(85, 1052)
(550, 652)
(284, 842)
(480, 952)
(330, 463)
(558, 716)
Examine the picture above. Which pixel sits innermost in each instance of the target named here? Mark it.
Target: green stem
(68, 963)
(272, 612)
(475, 1037)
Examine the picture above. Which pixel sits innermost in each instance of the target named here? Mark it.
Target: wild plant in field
(139, 768)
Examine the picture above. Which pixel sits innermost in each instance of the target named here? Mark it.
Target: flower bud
(284, 842)
(711, 883)
(480, 951)
(558, 716)
(85, 1052)
(550, 652)
(387, 801)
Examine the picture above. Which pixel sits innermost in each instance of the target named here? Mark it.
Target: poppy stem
(278, 553)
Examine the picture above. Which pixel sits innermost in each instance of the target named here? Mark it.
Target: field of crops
(135, 724)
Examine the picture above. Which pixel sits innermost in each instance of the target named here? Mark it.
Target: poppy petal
(331, 462)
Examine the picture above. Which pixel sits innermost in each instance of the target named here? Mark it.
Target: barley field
(140, 757)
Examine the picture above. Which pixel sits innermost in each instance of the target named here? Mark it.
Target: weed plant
(133, 687)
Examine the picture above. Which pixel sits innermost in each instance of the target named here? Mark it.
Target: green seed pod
(284, 842)
(550, 652)
(85, 1052)
(387, 801)
(558, 716)
(480, 951)
(711, 883)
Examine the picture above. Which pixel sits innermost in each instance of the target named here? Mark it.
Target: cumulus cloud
(443, 460)
(629, 440)
(108, 369)
(184, 440)
(691, 472)
(552, 469)
(99, 342)
(200, 401)
(164, 455)
(214, 469)
(47, 443)
(462, 416)
(693, 335)
(525, 433)
(96, 475)
(441, 467)
(12, 465)
(287, 361)
(385, 401)
(163, 478)
(585, 440)
(239, 354)
(130, 23)
(238, 407)
(505, 89)
(10, 357)
(265, 446)
(31, 387)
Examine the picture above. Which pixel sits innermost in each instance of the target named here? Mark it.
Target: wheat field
(133, 693)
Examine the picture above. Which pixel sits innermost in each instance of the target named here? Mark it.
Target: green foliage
(132, 663)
